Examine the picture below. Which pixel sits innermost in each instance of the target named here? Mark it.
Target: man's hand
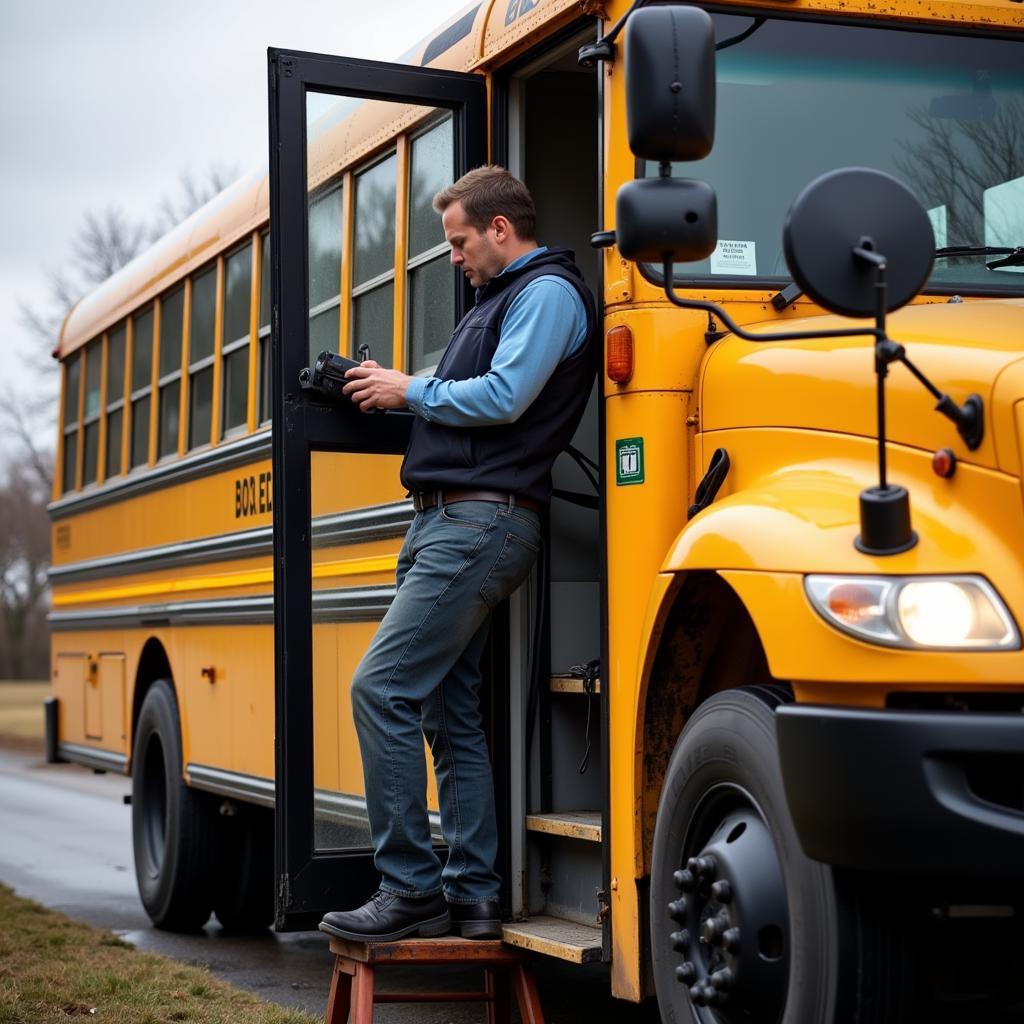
(373, 387)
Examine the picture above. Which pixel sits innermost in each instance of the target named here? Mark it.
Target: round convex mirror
(852, 207)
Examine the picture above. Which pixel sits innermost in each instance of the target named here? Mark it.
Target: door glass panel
(353, 579)
(115, 365)
(140, 431)
(170, 413)
(204, 298)
(142, 350)
(171, 319)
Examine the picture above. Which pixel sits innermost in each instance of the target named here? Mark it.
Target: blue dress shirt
(545, 324)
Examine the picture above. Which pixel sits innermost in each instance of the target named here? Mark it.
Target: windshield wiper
(1012, 257)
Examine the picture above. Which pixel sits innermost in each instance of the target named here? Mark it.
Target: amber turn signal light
(619, 353)
(944, 463)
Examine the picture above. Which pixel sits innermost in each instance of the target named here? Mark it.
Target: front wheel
(744, 927)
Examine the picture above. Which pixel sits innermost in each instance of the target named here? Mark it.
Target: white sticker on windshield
(734, 258)
(937, 215)
(1004, 216)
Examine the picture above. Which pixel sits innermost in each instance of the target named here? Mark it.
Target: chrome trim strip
(342, 604)
(253, 448)
(353, 526)
(250, 788)
(343, 808)
(91, 757)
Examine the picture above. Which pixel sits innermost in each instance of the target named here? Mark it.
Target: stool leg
(362, 995)
(496, 986)
(526, 995)
(340, 999)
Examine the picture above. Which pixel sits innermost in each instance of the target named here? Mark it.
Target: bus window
(325, 237)
(373, 265)
(91, 413)
(237, 295)
(72, 377)
(264, 330)
(169, 382)
(115, 399)
(142, 367)
(431, 287)
(200, 358)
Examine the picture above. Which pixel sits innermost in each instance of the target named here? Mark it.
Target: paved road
(65, 840)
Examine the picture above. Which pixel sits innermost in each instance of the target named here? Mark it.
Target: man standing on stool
(505, 399)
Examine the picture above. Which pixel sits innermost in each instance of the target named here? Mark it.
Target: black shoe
(385, 917)
(476, 920)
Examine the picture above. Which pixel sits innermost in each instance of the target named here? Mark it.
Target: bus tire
(744, 926)
(173, 826)
(244, 900)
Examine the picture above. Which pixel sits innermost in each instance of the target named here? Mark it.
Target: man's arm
(545, 323)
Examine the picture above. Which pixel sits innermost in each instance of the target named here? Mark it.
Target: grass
(21, 709)
(55, 969)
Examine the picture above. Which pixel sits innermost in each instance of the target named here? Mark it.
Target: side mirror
(670, 83)
(670, 103)
(659, 219)
(834, 226)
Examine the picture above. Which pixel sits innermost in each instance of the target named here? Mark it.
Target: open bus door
(310, 94)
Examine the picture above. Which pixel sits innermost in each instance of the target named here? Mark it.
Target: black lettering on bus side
(254, 496)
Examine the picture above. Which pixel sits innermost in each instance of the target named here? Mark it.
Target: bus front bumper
(906, 791)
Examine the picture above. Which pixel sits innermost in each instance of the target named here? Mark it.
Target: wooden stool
(355, 962)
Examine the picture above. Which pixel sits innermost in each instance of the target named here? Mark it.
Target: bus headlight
(931, 612)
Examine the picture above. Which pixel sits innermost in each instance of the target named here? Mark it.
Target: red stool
(505, 970)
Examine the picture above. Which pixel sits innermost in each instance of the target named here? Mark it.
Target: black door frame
(308, 882)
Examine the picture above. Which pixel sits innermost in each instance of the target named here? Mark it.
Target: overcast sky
(105, 102)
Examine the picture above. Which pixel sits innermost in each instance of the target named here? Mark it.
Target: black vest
(513, 457)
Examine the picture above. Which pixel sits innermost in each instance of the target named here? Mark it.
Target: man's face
(475, 252)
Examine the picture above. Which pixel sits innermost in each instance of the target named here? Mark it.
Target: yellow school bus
(756, 738)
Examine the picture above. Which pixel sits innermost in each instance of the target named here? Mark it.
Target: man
(504, 400)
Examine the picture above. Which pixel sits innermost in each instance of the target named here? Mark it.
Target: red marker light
(619, 353)
(944, 463)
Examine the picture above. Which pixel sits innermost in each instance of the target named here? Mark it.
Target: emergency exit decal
(629, 461)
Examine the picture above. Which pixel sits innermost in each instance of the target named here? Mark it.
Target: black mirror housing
(659, 218)
(670, 83)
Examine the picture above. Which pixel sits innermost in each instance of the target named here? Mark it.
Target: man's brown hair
(488, 192)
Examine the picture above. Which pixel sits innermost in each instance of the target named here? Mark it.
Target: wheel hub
(732, 924)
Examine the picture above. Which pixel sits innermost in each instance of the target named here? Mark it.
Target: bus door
(349, 141)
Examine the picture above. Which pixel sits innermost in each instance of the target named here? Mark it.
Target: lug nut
(685, 880)
(731, 940)
(680, 941)
(686, 973)
(722, 980)
(714, 928)
(698, 995)
(722, 891)
(706, 866)
(677, 909)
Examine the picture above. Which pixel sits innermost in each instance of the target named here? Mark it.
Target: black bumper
(896, 791)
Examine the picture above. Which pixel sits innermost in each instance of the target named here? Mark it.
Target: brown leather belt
(422, 500)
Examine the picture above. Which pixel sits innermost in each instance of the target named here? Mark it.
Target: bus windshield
(944, 114)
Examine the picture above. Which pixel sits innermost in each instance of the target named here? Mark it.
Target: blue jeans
(421, 677)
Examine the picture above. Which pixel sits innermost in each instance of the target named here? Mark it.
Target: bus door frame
(308, 882)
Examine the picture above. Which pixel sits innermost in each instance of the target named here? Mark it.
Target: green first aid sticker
(629, 461)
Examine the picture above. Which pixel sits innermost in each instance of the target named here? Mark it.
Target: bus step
(584, 825)
(571, 684)
(553, 936)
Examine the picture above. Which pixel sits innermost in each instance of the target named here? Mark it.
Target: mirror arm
(734, 328)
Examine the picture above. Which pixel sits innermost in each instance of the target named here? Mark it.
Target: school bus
(757, 753)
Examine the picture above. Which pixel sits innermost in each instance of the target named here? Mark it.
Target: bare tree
(24, 560)
(193, 191)
(956, 161)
